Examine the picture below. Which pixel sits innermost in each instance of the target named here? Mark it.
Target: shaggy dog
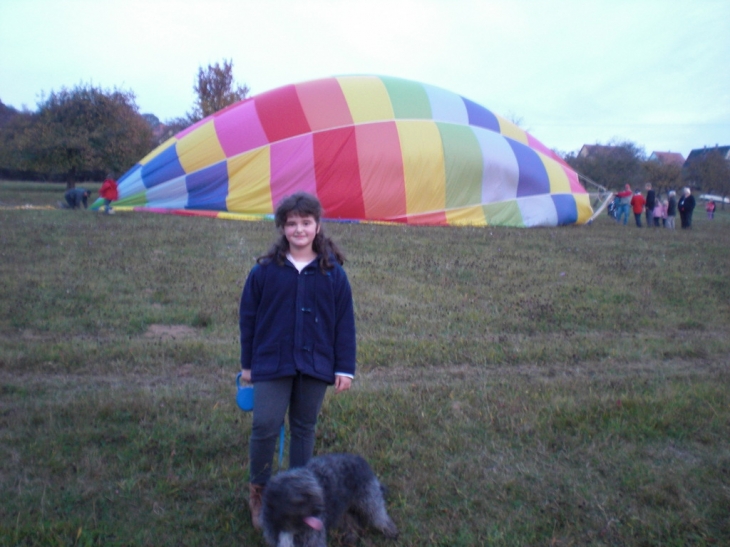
(332, 491)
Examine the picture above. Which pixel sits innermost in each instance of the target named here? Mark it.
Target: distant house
(699, 153)
(598, 151)
(667, 158)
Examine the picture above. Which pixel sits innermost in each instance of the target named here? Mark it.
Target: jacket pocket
(324, 358)
(266, 360)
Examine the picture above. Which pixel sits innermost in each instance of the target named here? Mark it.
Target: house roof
(597, 150)
(698, 153)
(667, 158)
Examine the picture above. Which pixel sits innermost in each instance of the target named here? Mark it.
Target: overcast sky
(571, 72)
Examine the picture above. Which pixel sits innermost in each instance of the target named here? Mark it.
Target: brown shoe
(256, 492)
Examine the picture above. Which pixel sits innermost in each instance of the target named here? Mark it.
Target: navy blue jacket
(76, 196)
(297, 322)
(650, 200)
(672, 207)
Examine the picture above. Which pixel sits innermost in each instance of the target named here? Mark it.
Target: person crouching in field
(297, 337)
(109, 192)
(637, 205)
(75, 197)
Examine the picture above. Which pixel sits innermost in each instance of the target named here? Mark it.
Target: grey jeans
(303, 397)
(649, 218)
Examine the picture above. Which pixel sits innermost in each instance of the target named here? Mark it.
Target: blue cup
(244, 395)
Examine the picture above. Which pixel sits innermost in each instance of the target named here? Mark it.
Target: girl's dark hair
(302, 204)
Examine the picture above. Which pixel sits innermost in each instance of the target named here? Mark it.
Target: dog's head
(293, 502)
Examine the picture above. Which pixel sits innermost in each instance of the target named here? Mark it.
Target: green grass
(557, 387)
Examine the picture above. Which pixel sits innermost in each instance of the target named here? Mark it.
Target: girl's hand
(342, 383)
(246, 375)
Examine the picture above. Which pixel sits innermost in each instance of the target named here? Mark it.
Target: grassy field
(545, 387)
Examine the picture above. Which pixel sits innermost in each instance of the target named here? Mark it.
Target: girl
(297, 337)
(671, 209)
(658, 213)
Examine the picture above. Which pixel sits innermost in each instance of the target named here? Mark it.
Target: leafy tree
(174, 126)
(14, 140)
(215, 90)
(663, 177)
(7, 113)
(85, 131)
(612, 165)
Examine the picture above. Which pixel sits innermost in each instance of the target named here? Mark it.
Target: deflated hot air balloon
(371, 148)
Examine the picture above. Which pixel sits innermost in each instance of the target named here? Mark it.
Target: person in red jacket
(109, 192)
(623, 204)
(637, 205)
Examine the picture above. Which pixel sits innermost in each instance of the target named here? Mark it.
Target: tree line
(87, 132)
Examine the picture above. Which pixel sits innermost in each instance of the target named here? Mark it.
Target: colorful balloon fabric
(372, 148)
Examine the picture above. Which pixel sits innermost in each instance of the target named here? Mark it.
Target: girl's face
(300, 231)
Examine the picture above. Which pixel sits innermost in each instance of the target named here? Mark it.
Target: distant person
(612, 208)
(686, 205)
(637, 205)
(650, 203)
(710, 208)
(664, 212)
(659, 213)
(75, 197)
(671, 209)
(109, 192)
(623, 204)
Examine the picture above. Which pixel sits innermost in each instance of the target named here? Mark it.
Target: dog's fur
(332, 491)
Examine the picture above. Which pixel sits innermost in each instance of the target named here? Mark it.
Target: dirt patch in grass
(170, 332)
